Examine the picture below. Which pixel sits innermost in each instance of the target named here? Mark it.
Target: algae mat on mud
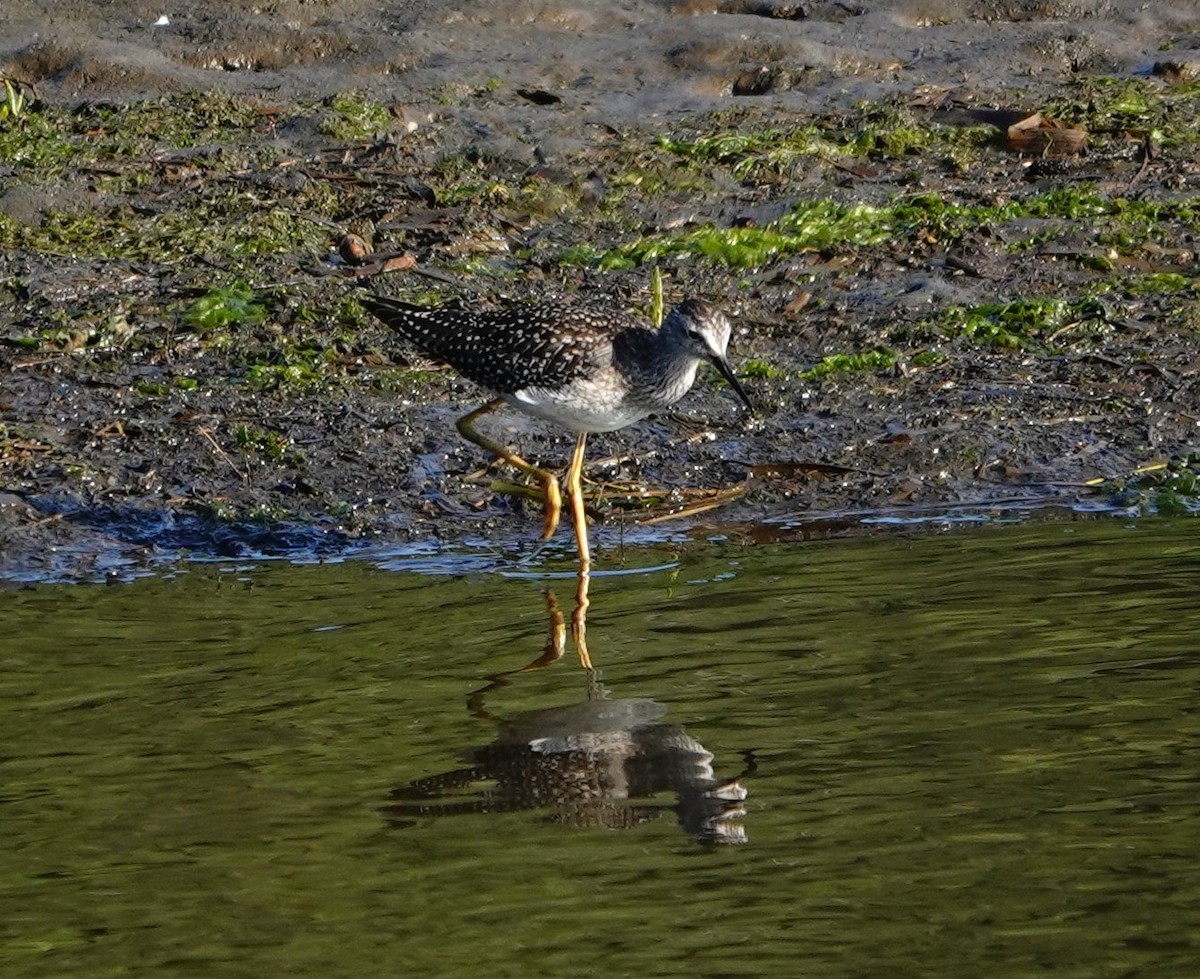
(954, 322)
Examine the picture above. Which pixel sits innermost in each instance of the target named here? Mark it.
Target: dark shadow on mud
(58, 539)
(207, 536)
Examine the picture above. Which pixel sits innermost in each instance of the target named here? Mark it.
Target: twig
(1149, 154)
(245, 478)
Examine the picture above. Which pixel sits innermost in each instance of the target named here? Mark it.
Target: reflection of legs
(556, 643)
(548, 481)
(579, 619)
(556, 637)
(575, 498)
(556, 634)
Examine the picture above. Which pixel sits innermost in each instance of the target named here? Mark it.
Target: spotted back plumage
(506, 350)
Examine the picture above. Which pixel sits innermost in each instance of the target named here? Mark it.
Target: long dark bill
(721, 364)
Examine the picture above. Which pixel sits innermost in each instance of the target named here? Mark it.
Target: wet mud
(1043, 355)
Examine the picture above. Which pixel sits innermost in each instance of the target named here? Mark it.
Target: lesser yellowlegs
(585, 368)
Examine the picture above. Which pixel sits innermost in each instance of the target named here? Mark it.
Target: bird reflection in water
(598, 763)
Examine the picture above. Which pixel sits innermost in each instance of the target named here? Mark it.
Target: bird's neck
(675, 370)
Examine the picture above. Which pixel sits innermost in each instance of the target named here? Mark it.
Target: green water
(970, 754)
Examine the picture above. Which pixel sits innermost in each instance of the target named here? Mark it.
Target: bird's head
(703, 331)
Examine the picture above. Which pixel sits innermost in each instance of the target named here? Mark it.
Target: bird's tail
(392, 312)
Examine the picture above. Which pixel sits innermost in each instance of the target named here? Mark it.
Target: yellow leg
(549, 482)
(575, 498)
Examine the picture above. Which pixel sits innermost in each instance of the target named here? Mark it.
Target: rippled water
(972, 753)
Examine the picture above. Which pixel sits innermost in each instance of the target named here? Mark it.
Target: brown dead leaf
(1043, 136)
(398, 263)
(385, 263)
(797, 302)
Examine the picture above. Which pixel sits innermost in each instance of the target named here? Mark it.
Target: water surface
(971, 753)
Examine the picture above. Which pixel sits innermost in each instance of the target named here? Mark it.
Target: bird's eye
(695, 334)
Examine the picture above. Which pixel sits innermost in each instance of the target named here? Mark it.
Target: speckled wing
(506, 350)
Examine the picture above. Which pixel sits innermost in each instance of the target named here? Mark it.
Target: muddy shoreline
(931, 320)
